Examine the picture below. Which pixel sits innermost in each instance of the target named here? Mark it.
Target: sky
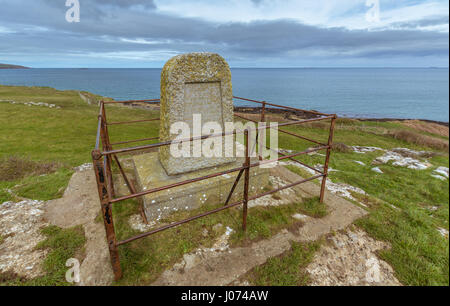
(247, 33)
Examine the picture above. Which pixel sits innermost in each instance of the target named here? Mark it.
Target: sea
(404, 93)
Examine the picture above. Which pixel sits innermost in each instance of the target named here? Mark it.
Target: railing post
(107, 146)
(327, 160)
(263, 111)
(263, 119)
(246, 180)
(106, 212)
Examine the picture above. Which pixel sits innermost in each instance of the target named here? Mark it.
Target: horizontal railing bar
(263, 162)
(178, 223)
(303, 164)
(131, 101)
(166, 143)
(284, 131)
(159, 144)
(143, 193)
(174, 224)
(302, 137)
(135, 121)
(137, 140)
(282, 106)
(286, 187)
(297, 161)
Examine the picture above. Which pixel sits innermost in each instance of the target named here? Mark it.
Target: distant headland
(8, 66)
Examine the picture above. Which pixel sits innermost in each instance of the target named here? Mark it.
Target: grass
(62, 244)
(419, 254)
(143, 260)
(287, 269)
(312, 207)
(64, 137)
(59, 139)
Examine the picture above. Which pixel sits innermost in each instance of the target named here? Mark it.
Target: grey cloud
(426, 22)
(101, 30)
(127, 3)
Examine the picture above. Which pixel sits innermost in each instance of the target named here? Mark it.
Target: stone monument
(194, 84)
(191, 85)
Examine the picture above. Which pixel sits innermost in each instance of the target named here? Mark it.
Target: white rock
(84, 167)
(401, 161)
(442, 171)
(217, 227)
(438, 177)
(377, 170)
(299, 217)
(443, 232)
(363, 150)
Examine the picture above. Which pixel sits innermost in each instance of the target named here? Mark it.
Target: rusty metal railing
(104, 156)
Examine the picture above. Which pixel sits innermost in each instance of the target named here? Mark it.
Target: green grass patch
(38, 138)
(287, 269)
(4, 194)
(65, 135)
(44, 187)
(312, 207)
(419, 254)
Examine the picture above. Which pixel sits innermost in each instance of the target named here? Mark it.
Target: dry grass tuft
(429, 127)
(316, 125)
(347, 121)
(421, 140)
(12, 168)
(341, 147)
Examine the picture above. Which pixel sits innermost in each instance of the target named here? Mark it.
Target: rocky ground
(20, 225)
(349, 256)
(32, 103)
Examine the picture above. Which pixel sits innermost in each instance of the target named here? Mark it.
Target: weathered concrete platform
(151, 174)
(221, 268)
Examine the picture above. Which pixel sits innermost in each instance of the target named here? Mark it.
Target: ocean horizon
(400, 93)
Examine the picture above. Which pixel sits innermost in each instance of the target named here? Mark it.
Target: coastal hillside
(8, 66)
(395, 172)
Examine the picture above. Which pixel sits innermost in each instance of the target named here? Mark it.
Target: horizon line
(330, 67)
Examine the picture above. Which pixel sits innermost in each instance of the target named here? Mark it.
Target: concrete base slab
(151, 174)
(225, 267)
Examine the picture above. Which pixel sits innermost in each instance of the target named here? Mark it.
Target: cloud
(257, 2)
(422, 23)
(127, 3)
(136, 31)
